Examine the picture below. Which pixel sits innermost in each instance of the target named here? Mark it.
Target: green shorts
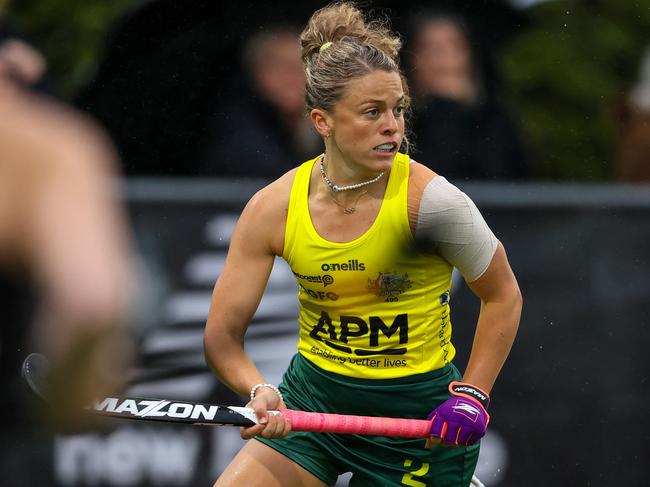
(375, 461)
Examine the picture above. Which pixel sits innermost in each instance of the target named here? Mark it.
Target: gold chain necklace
(348, 210)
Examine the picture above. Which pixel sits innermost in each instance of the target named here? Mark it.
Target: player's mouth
(389, 148)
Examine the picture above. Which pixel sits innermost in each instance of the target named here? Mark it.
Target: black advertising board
(571, 405)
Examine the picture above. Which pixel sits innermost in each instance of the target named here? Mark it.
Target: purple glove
(463, 418)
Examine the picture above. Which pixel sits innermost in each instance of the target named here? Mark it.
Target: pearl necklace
(335, 188)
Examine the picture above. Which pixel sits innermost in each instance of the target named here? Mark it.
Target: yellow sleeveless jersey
(372, 307)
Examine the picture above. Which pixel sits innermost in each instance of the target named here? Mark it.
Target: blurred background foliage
(562, 73)
(71, 34)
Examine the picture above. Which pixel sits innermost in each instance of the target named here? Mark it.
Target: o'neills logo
(350, 265)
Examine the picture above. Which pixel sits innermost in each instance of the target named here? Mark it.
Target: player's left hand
(462, 419)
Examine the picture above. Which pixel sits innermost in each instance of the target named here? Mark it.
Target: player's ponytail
(338, 45)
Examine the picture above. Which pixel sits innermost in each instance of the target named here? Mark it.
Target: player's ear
(322, 122)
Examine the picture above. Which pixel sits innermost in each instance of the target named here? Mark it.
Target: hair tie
(324, 46)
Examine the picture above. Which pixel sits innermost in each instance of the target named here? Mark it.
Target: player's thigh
(258, 465)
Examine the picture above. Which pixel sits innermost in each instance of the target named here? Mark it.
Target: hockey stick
(35, 373)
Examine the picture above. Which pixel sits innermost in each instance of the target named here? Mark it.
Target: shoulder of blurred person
(632, 117)
(245, 139)
(468, 141)
(460, 128)
(260, 128)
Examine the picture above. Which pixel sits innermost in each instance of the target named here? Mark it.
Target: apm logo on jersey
(389, 285)
(379, 335)
(146, 408)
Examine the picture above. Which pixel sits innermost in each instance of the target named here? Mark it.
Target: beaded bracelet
(270, 386)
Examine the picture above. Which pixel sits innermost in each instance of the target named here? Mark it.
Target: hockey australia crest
(389, 285)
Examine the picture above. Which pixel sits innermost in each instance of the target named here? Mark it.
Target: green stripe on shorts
(374, 460)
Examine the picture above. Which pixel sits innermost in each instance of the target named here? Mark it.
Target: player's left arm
(447, 222)
(498, 321)
(463, 418)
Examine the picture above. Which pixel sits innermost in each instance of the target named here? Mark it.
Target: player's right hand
(269, 425)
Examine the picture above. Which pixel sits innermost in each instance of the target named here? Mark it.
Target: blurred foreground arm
(61, 224)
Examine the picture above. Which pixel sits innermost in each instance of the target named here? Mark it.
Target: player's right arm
(258, 238)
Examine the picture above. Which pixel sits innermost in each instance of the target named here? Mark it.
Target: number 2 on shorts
(409, 477)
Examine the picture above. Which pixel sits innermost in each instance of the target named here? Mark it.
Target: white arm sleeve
(450, 221)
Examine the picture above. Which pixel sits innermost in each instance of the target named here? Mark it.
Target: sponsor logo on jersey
(145, 408)
(389, 285)
(320, 295)
(325, 279)
(380, 337)
(350, 265)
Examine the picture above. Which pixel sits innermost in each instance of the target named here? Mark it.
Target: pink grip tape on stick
(357, 425)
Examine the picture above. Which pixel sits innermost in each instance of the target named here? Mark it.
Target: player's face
(368, 120)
